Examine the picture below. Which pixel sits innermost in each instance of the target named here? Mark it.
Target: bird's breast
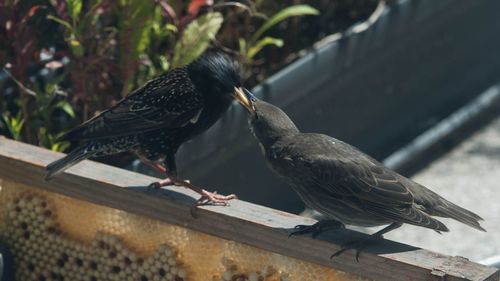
(283, 165)
(210, 113)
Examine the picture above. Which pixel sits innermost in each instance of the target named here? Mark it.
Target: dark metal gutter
(447, 133)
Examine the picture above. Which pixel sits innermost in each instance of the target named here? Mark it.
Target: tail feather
(450, 210)
(409, 215)
(436, 205)
(75, 156)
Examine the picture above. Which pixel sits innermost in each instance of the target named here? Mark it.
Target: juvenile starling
(341, 182)
(154, 120)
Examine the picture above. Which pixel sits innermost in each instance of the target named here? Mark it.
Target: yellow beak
(242, 98)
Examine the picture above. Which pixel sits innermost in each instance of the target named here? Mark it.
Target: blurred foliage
(196, 38)
(251, 47)
(65, 60)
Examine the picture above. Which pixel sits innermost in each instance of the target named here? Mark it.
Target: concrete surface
(469, 175)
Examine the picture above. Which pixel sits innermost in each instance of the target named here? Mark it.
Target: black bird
(341, 182)
(154, 120)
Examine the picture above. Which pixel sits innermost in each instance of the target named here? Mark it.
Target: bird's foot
(207, 197)
(358, 245)
(169, 181)
(317, 228)
(212, 198)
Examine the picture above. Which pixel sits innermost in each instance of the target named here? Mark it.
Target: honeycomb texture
(55, 237)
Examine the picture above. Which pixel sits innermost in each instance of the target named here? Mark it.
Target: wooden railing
(241, 221)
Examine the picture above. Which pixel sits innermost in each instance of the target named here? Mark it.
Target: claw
(154, 185)
(316, 228)
(211, 198)
(207, 198)
(358, 245)
(304, 229)
(214, 198)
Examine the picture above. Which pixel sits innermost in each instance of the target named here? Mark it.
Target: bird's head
(268, 122)
(215, 74)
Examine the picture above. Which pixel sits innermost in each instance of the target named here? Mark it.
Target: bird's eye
(253, 99)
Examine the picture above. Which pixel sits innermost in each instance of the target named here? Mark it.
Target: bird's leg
(360, 245)
(160, 168)
(155, 166)
(206, 196)
(317, 228)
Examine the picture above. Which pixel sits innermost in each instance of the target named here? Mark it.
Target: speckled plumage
(343, 183)
(154, 120)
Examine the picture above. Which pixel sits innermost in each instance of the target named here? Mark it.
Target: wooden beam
(242, 222)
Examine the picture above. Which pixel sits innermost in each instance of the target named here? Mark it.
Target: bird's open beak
(242, 95)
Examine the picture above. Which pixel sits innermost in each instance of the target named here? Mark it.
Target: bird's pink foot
(207, 197)
(167, 182)
(212, 198)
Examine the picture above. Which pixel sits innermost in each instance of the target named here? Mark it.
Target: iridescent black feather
(154, 120)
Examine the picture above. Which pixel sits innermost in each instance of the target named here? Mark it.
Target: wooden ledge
(242, 222)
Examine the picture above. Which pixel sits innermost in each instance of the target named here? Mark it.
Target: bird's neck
(217, 103)
(269, 138)
(213, 109)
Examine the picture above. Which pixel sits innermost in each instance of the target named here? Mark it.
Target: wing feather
(343, 173)
(168, 101)
(355, 178)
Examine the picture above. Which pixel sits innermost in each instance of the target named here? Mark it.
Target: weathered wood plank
(241, 221)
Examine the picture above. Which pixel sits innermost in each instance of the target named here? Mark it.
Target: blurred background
(414, 83)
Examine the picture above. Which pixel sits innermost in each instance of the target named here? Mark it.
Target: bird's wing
(169, 101)
(360, 178)
(342, 172)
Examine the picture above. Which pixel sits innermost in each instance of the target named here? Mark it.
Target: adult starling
(341, 182)
(154, 120)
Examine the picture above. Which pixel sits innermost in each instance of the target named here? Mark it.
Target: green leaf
(142, 23)
(171, 27)
(76, 48)
(163, 62)
(297, 10)
(74, 8)
(66, 107)
(59, 146)
(51, 140)
(135, 27)
(196, 38)
(243, 45)
(14, 125)
(62, 22)
(143, 41)
(254, 49)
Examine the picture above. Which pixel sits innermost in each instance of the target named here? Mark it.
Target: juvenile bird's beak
(243, 96)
